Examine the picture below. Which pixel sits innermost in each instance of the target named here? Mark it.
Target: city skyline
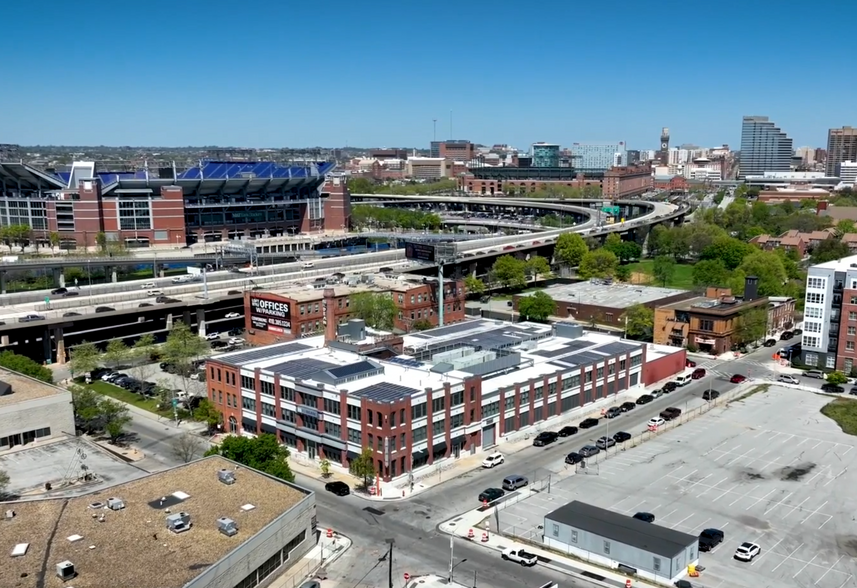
(198, 79)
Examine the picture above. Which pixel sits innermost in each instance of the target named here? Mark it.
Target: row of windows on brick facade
(419, 298)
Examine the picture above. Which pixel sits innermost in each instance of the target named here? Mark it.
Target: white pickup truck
(525, 558)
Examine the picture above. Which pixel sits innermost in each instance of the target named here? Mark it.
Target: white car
(232, 315)
(493, 460)
(525, 558)
(788, 379)
(236, 341)
(747, 551)
(148, 285)
(307, 265)
(212, 336)
(154, 293)
(656, 422)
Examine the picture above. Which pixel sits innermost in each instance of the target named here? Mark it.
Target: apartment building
(830, 315)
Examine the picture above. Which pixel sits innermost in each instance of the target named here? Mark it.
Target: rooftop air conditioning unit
(227, 526)
(115, 503)
(65, 571)
(179, 522)
(226, 477)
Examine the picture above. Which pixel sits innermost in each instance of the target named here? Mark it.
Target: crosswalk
(747, 367)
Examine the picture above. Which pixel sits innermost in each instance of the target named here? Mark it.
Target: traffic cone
(330, 533)
(485, 537)
(470, 534)
(627, 583)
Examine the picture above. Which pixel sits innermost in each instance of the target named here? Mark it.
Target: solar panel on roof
(252, 355)
(301, 367)
(385, 392)
(616, 348)
(353, 369)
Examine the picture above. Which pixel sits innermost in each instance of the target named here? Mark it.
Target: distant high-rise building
(434, 149)
(806, 154)
(545, 155)
(664, 153)
(587, 156)
(764, 148)
(841, 146)
(633, 156)
(455, 150)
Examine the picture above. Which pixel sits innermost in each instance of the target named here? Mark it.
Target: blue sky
(281, 73)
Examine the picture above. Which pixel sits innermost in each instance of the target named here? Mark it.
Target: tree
(728, 250)
(24, 365)
(324, 466)
(837, 378)
(629, 250)
(538, 266)
(474, 285)
(422, 325)
(182, 349)
(4, 482)
(828, 250)
(140, 356)
(710, 272)
(510, 271)
(752, 325)
(19, 235)
(623, 273)
(101, 241)
(263, 453)
(598, 264)
(207, 413)
(378, 310)
(765, 265)
(845, 226)
(114, 416)
(537, 306)
(363, 466)
(570, 249)
(639, 322)
(663, 269)
(360, 186)
(84, 358)
(117, 353)
(187, 447)
(54, 239)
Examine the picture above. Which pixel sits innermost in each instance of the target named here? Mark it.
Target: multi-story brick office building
(297, 312)
(456, 390)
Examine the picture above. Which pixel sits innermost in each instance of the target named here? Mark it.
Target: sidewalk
(313, 564)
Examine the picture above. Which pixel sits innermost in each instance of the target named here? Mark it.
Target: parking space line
(724, 442)
(635, 506)
(816, 445)
(758, 500)
(682, 479)
(821, 471)
(710, 488)
(787, 558)
(805, 439)
(825, 522)
(804, 566)
(681, 521)
(848, 579)
(691, 487)
(850, 447)
(744, 495)
(815, 512)
(725, 493)
(794, 508)
(745, 454)
(828, 570)
(761, 555)
(835, 477)
(670, 513)
(776, 504)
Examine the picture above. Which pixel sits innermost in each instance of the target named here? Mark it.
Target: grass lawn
(118, 393)
(682, 274)
(844, 412)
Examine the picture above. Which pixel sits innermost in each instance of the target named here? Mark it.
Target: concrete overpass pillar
(161, 273)
(47, 348)
(200, 321)
(186, 317)
(3, 282)
(113, 277)
(4, 340)
(59, 339)
(59, 277)
(169, 324)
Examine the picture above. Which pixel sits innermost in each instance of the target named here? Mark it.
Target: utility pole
(389, 557)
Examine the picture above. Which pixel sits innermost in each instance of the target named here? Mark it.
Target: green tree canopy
(377, 309)
(85, 357)
(510, 271)
(624, 250)
(599, 263)
(710, 272)
(570, 249)
(24, 365)
(537, 306)
(364, 215)
(360, 186)
(94, 413)
(639, 322)
(728, 250)
(116, 353)
(263, 453)
(752, 325)
(474, 285)
(363, 466)
(663, 269)
(537, 266)
(765, 265)
(829, 250)
(837, 378)
(623, 273)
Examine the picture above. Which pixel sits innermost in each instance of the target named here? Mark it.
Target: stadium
(170, 206)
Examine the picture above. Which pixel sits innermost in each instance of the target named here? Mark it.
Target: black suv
(710, 538)
(545, 438)
(833, 389)
(710, 395)
(338, 488)
(670, 413)
(622, 436)
(568, 431)
(588, 423)
(626, 406)
(573, 458)
(645, 399)
(669, 387)
(491, 494)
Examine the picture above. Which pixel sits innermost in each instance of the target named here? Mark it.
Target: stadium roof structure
(208, 178)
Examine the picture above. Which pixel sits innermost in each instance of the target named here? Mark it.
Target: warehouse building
(621, 542)
(32, 410)
(207, 524)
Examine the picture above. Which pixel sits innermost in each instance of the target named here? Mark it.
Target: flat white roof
(837, 264)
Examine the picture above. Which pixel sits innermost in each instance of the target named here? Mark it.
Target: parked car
(148, 285)
(154, 293)
(646, 517)
(338, 488)
(605, 442)
(567, 431)
(657, 393)
(656, 422)
(710, 395)
(621, 436)
(307, 265)
(58, 291)
(219, 344)
(770, 342)
(788, 379)
(747, 551)
(786, 335)
(491, 494)
(514, 482)
(232, 315)
(573, 458)
(797, 332)
(645, 399)
(689, 363)
(236, 341)
(698, 374)
(66, 314)
(493, 460)
(235, 332)
(144, 304)
(70, 294)
(28, 318)
(670, 413)
(627, 406)
(613, 412)
(212, 336)
(588, 423)
(545, 438)
(818, 374)
(853, 391)
(738, 378)
(104, 309)
(669, 387)
(589, 450)
(710, 538)
(525, 558)
(833, 389)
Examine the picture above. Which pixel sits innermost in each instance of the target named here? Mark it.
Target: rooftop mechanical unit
(115, 503)
(226, 477)
(227, 526)
(65, 571)
(179, 522)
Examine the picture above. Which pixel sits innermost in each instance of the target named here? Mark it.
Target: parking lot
(770, 469)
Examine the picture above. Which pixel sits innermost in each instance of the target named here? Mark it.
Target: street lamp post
(453, 565)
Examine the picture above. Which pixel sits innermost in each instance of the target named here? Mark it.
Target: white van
(683, 379)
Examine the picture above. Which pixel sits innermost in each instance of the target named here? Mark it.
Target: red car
(689, 363)
(737, 379)
(698, 374)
